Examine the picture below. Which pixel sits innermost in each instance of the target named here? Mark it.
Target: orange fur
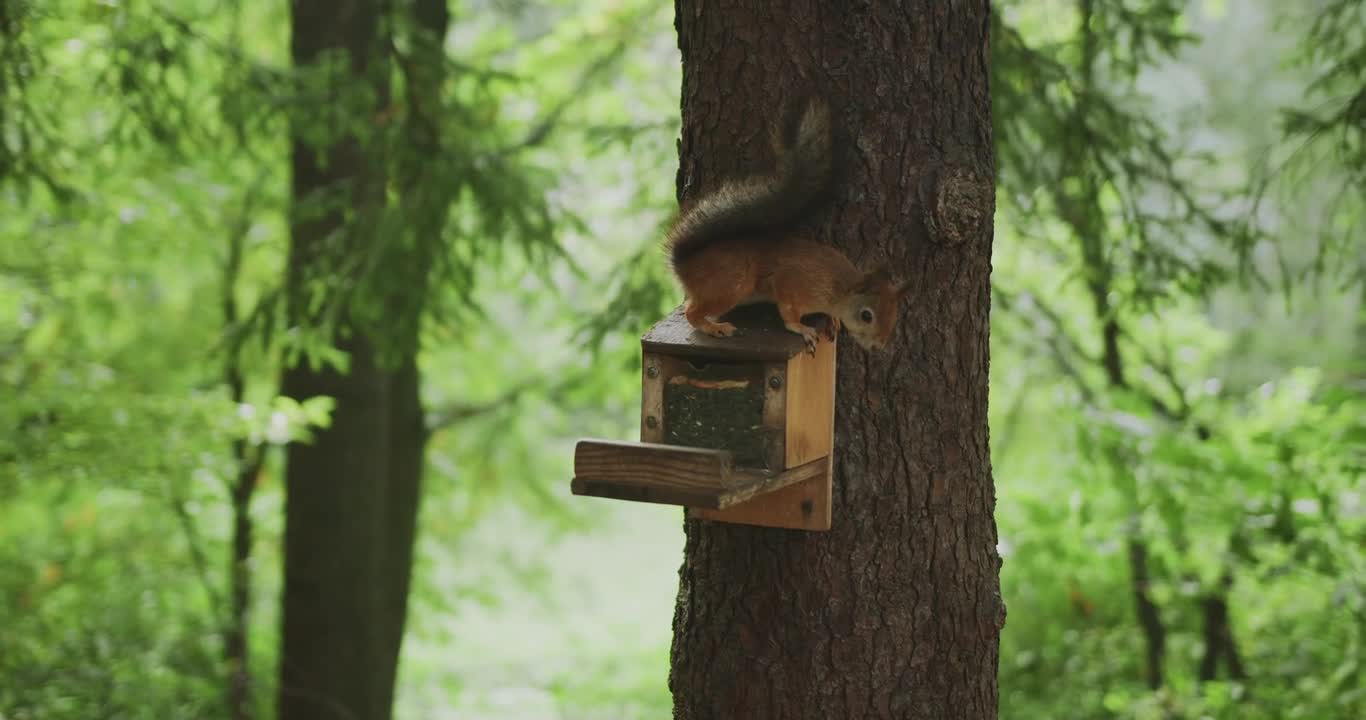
(736, 246)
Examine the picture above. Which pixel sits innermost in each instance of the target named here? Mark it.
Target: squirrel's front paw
(720, 329)
(810, 336)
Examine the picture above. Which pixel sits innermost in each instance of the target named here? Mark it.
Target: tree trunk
(332, 634)
(354, 492)
(247, 462)
(425, 213)
(896, 611)
(338, 611)
(408, 448)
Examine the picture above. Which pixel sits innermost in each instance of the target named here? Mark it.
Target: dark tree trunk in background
(425, 212)
(332, 637)
(352, 493)
(1082, 210)
(407, 452)
(247, 461)
(896, 612)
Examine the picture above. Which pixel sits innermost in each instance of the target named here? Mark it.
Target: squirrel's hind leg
(716, 280)
(792, 320)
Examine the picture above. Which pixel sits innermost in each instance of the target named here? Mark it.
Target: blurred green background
(1186, 179)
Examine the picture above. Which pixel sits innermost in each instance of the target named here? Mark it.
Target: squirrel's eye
(866, 315)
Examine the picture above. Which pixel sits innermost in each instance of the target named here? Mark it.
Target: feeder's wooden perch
(673, 475)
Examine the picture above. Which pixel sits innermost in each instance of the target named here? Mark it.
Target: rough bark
(896, 611)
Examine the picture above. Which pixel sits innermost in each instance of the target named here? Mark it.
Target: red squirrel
(737, 245)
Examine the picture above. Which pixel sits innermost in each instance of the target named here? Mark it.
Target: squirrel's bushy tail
(763, 202)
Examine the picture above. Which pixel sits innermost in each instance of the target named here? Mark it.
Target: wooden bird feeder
(737, 429)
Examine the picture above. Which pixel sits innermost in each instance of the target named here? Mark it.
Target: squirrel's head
(872, 308)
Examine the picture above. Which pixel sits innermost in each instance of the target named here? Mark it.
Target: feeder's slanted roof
(761, 336)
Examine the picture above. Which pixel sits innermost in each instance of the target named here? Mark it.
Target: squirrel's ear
(873, 279)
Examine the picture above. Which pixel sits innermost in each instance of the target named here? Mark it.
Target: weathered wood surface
(774, 430)
(654, 369)
(760, 336)
(802, 505)
(672, 475)
(810, 406)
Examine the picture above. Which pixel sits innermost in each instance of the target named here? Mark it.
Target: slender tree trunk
(428, 199)
(247, 462)
(248, 466)
(1149, 617)
(408, 445)
(334, 651)
(236, 647)
(1218, 634)
(354, 492)
(1087, 220)
(9, 36)
(332, 636)
(896, 611)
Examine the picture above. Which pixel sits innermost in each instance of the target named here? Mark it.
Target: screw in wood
(775, 382)
(652, 371)
(651, 422)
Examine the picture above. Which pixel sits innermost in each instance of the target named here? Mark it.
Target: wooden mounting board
(810, 405)
(800, 506)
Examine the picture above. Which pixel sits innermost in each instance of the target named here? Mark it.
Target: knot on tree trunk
(957, 202)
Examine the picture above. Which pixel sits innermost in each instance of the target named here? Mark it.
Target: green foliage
(1336, 49)
(143, 189)
(1185, 475)
(1275, 496)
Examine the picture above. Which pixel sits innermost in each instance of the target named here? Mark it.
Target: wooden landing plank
(674, 475)
(651, 472)
(643, 492)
